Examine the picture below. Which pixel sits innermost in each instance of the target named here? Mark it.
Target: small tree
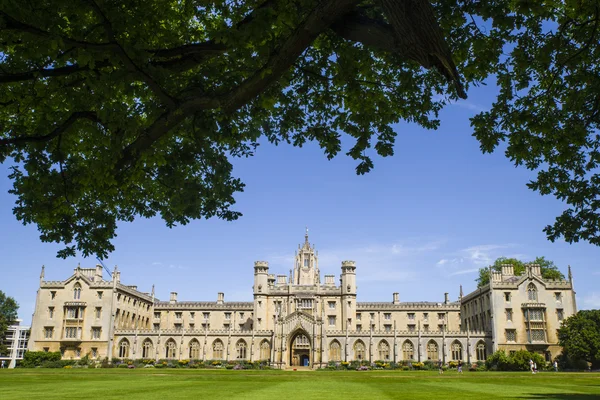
(580, 336)
(8, 315)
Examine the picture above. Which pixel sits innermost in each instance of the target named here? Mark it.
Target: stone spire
(306, 244)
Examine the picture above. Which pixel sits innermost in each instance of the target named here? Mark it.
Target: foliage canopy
(548, 268)
(8, 315)
(112, 110)
(579, 336)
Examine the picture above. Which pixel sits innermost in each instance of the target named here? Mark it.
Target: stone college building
(299, 320)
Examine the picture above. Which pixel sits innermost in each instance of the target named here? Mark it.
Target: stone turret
(261, 290)
(306, 265)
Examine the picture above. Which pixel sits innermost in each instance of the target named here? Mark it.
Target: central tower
(306, 264)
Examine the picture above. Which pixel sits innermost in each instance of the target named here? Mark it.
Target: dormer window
(77, 291)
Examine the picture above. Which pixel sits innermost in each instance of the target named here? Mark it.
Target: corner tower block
(348, 277)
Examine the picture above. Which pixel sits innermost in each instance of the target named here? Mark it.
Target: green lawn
(264, 385)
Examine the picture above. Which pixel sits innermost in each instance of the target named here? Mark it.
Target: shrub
(33, 359)
(418, 365)
(123, 366)
(517, 361)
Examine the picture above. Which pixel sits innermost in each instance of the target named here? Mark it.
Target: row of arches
(171, 349)
(408, 350)
(217, 350)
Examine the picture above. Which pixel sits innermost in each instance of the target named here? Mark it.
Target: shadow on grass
(563, 396)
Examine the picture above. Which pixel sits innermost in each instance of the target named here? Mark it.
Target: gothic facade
(298, 320)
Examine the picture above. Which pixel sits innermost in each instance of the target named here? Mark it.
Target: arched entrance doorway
(300, 350)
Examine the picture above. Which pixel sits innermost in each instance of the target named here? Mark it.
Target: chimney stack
(220, 298)
(173, 298)
(446, 298)
(396, 298)
(98, 275)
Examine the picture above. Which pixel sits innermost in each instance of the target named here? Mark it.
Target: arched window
(241, 349)
(147, 348)
(217, 350)
(456, 349)
(77, 291)
(124, 348)
(194, 350)
(359, 350)
(265, 350)
(481, 353)
(532, 292)
(384, 350)
(171, 349)
(432, 351)
(335, 352)
(408, 350)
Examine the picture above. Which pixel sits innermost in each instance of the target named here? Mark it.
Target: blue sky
(421, 224)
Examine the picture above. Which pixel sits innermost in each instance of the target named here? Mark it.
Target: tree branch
(319, 19)
(205, 48)
(129, 63)
(77, 115)
(368, 31)
(48, 72)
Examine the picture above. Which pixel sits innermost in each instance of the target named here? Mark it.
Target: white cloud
(376, 262)
(464, 271)
(592, 301)
(470, 259)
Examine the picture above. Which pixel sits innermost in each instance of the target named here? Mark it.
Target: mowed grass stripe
(306, 385)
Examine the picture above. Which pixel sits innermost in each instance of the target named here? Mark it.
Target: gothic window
(560, 314)
(509, 314)
(77, 291)
(511, 335)
(335, 353)
(241, 350)
(124, 348)
(147, 348)
(306, 261)
(481, 353)
(432, 351)
(359, 350)
(96, 331)
(217, 350)
(456, 349)
(538, 335)
(532, 292)
(557, 297)
(408, 352)
(536, 315)
(48, 332)
(171, 349)
(194, 350)
(384, 350)
(265, 350)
